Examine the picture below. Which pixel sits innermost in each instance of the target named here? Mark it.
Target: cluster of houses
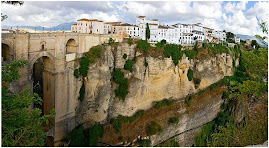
(184, 34)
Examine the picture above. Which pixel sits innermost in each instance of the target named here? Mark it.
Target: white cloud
(229, 16)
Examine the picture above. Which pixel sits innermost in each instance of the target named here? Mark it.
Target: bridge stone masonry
(58, 52)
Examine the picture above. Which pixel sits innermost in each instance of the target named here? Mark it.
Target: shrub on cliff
(76, 73)
(190, 74)
(190, 53)
(95, 132)
(145, 143)
(153, 128)
(94, 53)
(110, 41)
(76, 137)
(124, 56)
(173, 120)
(174, 51)
(130, 41)
(161, 44)
(122, 119)
(84, 66)
(144, 45)
(122, 91)
(197, 81)
(195, 48)
(129, 65)
(163, 103)
(225, 95)
(188, 100)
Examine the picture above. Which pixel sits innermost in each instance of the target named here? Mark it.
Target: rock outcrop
(159, 80)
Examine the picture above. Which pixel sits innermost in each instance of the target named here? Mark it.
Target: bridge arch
(71, 46)
(43, 83)
(43, 54)
(7, 53)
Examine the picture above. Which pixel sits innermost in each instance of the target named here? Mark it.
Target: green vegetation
(173, 120)
(79, 137)
(225, 95)
(255, 44)
(146, 64)
(170, 143)
(95, 132)
(130, 41)
(144, 45)
(94, 53)
(147, 32)
(246, 87)
(197, 81)
(230, 37)
(129, 65)
(76, 73)
(161, 44)
(163, 103)
(84, 66)
(190, 74)
(174, 143)
(203, 136)
(145, 143)
(122, 119)
(205, 44)
(125, 56)
(82, 92)
(190, 53)
(174, 51)
(195, 48)
(110, 41)
(188, 100)
(153, 128)
(122, 91)
(21, 125)
(76, 137)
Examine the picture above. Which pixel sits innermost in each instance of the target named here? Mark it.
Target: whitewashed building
(92, 26)
(220, 35)
(126, 30)
(142, 22)
(108, 26)
(209, 34)
(166, 33)
(236, 39)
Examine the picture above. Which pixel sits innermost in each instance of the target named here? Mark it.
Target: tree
(3, 16)
(21, 126)
(195, 48)
(147, 32)
(230, 35)
(263, 26)
(254, 44)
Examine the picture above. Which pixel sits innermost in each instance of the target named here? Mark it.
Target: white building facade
(142, 22)
(93, 26)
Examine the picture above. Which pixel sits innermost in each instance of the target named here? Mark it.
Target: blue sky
(238, 17)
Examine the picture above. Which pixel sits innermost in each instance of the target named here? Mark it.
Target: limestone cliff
(160, 80)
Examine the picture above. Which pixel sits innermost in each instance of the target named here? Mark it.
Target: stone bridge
(57, 52)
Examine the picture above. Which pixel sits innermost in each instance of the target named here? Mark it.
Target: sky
(236, 16)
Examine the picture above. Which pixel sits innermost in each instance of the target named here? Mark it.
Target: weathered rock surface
(189, 123)
(160, 80)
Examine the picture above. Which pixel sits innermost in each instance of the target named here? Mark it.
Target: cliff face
(160, 80)
(205, 110)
